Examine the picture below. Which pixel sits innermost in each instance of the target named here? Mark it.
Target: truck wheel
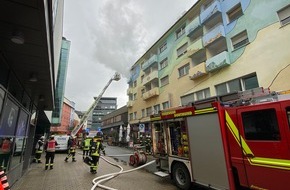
(181, 176)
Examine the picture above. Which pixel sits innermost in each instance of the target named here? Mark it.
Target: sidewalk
(73, 175)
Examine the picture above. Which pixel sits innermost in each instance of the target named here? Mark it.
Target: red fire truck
(236, 141)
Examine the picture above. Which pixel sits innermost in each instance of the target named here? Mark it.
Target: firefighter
(50, 152)
(148, 144)
(72, 144)
(96, 146)
(38, 150)
(86, 147)
(5, 152)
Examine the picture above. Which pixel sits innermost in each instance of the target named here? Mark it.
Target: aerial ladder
(84, 118)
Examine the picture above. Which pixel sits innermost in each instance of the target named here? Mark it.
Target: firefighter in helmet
(50, 152)
(72, 144)
(95, 148)
(86, 146)
(148, 144)
(38, 150)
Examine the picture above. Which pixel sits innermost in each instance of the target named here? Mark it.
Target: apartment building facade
(216, 47)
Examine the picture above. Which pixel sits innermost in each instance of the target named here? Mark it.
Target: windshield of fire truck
(261, 125)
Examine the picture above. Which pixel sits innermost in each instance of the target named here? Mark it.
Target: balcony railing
(214, 34)
(220, 60)
(151, 93)
(153, 75)
(209, 12)
(192, 26)
(130, 91)
(197, 71)
(149, 62)
(130, 103)
(195, 47)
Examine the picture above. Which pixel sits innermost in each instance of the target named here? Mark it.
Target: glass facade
(105, 106)
(61, 81)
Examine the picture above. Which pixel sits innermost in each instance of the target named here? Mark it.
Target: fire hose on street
(112, 175)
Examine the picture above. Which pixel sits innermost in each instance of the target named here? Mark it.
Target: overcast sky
(109, 36)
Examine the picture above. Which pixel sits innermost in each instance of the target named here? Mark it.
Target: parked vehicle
(235, 141)
(62, 141)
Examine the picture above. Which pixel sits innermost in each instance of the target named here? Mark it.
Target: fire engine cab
(236, 141)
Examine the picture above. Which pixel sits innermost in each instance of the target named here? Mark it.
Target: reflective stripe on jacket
(95, 148)
(87, 143)
(51, 146)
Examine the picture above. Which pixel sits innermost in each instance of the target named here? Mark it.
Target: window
(180, 32)
(261, 125)
(183, 70)
(165, 105)
(156, 109)
(142, 78)
(148, 111)
(143, 91)
(131, 116)
(234, 85)
(235, 13)
(240, 39)
(240, 84)
(135, 115)
(163, 47)
(182, 50)
(164, 81)
(163, 63)
(135, 96)
(202, 94)
(143, 113)
(221, 89)
(135, 83)
(250, 82)
(284, 15)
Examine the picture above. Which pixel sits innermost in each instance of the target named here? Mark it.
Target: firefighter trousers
(49, 158)
(94, 164)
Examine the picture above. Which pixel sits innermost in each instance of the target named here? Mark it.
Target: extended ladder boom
(86, 115)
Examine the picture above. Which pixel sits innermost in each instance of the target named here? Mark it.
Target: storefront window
(13, 132)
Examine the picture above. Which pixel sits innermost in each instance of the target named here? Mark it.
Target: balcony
(151, 93)
(197, 71)
(192, 27)
(148, 78)
(149, 62)
(212, 36)
(130, 91)
(130, 103)
(195, 48)
(210, 12)
(220, 60)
